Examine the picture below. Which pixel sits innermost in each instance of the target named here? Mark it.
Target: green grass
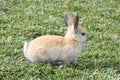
(22, 20)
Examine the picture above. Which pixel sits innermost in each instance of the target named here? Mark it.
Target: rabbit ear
(68, 20)
(76, 22)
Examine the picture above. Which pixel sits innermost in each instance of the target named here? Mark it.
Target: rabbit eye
(82, 34)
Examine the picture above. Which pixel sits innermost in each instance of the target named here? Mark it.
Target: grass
(22, 20)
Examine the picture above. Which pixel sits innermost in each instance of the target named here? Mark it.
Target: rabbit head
(74, 31)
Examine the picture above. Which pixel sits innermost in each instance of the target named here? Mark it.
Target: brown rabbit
(52, 48)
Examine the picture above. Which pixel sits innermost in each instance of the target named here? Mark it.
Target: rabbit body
(52, 48)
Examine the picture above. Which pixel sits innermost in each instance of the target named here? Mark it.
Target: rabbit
(53, 48)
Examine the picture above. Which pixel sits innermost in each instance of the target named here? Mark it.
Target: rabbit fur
(53, 48)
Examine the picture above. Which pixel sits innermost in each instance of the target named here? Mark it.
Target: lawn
(22, 20)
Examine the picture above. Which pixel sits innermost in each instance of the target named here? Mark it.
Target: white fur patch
(25, 47)
(53, 54)
(58, 54)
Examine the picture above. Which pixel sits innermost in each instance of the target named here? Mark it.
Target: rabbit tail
(25, 48)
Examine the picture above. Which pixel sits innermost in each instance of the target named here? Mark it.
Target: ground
(24, 20)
